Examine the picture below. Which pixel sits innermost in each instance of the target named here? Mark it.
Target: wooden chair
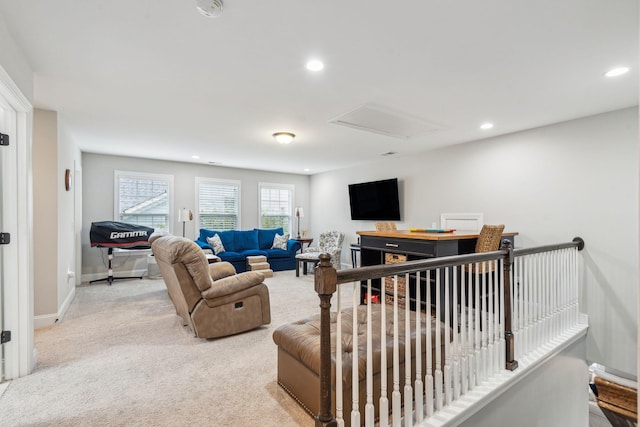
(488, 241)
(489, 238)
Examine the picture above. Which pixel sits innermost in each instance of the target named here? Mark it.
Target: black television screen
(376, 200)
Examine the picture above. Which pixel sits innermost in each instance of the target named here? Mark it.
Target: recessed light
(618, 71)
(195, 157)
(315, 65)
(209, 8)
(486, 126)
(307, 169)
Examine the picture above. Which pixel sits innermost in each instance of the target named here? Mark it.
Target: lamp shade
(299, 212)
(185, 215)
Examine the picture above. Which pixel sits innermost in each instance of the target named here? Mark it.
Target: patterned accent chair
(330, 243)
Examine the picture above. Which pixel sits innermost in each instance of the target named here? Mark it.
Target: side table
(212, 258)
(302, 241)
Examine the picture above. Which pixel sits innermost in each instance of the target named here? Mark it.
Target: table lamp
(299, 213)
(184, 216)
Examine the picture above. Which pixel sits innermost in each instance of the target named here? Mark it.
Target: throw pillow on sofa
(266, 235)
(216, 243)
(280, 242)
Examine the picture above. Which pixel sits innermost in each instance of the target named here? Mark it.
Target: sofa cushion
(254, 252)
(266, 236)
(232, 256)
(280, 242)
(276, 253)
(245, 240)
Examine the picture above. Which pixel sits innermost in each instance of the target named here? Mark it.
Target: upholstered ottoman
(299, 357)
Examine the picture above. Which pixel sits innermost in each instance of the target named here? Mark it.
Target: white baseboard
(45, 320)
(67, 302)
(49, 319)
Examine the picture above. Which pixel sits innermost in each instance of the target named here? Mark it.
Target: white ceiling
(156, 79)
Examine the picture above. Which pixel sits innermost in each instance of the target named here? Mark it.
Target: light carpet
(121, 357)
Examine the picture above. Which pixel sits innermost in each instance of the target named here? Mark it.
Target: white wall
(97, 198)
(550, 184)
(45, 215)
(14, 62)
(54, 218)
(69, 216)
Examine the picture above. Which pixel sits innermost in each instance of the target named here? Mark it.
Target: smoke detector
(209, 8)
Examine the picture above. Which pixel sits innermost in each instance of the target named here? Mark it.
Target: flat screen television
(375, 200)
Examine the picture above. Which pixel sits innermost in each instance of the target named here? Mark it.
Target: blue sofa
(239, 244)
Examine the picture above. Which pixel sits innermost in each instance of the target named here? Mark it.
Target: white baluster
(447, 345)
(498, 308)
(503, 314)
(396, 397)
(474, 328)
(519, 338)
(483, 323)
(428, 379)
(527, 302)
(369, 410)
(338, 379)
(455, 346)
(384, 401)
(408, 389)
(464, 305)
(438, 373)
(490, 326)
(419, 385)
(355, 411)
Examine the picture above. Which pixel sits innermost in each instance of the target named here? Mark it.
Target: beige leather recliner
(212, 299)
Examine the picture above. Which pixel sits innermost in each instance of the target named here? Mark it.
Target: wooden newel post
(326, 280)
(511, 364)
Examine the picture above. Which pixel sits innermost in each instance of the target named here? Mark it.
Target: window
(218, 204)
(276, 205)
(143, 199)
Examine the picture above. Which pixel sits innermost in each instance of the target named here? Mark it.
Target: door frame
(17, 219)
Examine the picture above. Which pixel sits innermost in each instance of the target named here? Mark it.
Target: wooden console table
(374, 245)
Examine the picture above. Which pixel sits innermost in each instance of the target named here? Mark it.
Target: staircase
(259, 263)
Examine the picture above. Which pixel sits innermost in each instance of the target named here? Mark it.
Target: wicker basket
(618, 399)
(401, 301)
(390, 258)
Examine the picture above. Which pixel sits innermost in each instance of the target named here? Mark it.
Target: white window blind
(218, 204)
(143, 199)
(276, 206)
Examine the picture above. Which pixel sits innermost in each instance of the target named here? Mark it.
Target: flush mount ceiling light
(315, 65)
(284, 137)
(615, 72)
(209, 8)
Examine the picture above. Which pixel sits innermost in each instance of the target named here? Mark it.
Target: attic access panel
(384, 120)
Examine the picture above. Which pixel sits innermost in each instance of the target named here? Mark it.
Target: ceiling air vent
(383, 120)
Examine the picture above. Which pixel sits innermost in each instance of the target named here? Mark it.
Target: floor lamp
(184, 216)
(299, 213)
